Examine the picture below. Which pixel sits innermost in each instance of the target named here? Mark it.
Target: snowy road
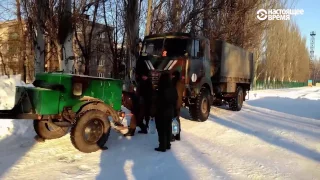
(275, 136)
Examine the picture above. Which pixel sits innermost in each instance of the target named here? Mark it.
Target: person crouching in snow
(165, 106)
(131, 101)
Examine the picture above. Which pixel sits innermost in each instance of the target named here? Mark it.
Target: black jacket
(166, 102)
(145, 86)
(141, 68)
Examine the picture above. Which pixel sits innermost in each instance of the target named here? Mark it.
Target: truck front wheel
(237, 102)
(200, 110)
(91, 131)
(47, 131)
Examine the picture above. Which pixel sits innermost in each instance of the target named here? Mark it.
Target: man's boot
(143, 128)
(130, 132)
(160, 149)
(177, 137)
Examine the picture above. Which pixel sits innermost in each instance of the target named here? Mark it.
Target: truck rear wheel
(201, 109)
(237, 102)
(91, 131)
(47, 131)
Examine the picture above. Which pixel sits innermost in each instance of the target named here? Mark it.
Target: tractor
(58, 102)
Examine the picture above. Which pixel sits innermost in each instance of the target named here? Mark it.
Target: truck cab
(187, 57)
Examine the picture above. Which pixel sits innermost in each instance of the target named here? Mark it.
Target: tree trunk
(65, 36)
(206, 17)
(22, 45)
(132, 27)
(193, 21)
(149, 14)
(4, 65)
(39, 49)
(115, 68)
(86, 64)
(40, 44)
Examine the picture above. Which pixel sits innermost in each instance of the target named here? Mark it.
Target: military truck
(58, 101)
(207, 75)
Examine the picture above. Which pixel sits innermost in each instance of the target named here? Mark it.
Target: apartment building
(10, 53)
(100, 56)
(11, 61)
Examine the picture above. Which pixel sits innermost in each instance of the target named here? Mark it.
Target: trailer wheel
(91, 131)
(201, 109)
(47, 131)
(237, 102)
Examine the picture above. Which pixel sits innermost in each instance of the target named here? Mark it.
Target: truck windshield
(173, 46)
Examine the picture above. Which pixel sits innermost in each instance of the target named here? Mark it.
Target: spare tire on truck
(200, 110)
(91, 131)
(47, 130)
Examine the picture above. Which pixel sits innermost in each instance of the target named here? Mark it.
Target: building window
(197, 49)
(100, 75)
(101, 62)
(102, 35)
(101, 48)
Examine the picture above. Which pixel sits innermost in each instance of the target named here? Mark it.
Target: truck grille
(155, 77)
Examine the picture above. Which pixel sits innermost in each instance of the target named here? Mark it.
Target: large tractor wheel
(91, 131)
(46, 130)
(237, 102)
(201, 109)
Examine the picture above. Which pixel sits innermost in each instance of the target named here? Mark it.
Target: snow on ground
(275, 135)
(10, 127)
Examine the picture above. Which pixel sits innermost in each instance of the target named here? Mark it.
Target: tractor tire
(94, 124)
(237, 102)
(200, 111)
(47, 131)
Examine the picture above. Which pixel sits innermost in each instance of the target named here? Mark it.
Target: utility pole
(312, 44)
(312, 47)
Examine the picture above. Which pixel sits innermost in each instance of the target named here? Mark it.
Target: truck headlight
(77, 89)
(194, 77)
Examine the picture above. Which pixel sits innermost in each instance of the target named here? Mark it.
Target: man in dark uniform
(144, 88)
(166, 101)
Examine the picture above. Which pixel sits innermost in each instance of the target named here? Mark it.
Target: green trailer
(87, 105)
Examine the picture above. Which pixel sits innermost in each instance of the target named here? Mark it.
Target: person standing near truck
(144, 89)
(166, 100)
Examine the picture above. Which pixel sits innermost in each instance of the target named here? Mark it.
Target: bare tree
(85, 28)
(115, 34)
(149, 16)
(132, 31)
(22, 36)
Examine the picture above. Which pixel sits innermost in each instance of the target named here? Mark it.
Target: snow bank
(9, 127)
(8, 90)
(311, 93)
